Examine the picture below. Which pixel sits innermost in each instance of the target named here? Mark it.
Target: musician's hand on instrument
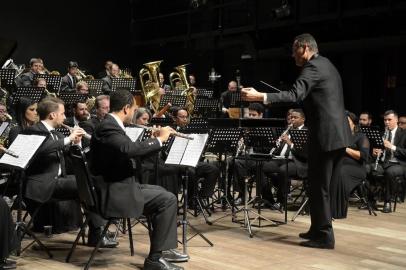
(387, 144)
(250, 94)
(285, 138)
(2, 149)
(376, 152)
(165, 132)
(76, 134)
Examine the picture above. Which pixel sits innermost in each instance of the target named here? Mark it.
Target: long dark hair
(21, 108)
(354, 119)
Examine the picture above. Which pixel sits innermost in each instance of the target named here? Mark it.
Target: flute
(177, 134)
(86, 135)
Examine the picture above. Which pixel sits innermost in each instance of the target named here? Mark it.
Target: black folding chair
(88, 199)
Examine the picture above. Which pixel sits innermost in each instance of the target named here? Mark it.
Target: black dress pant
(276, 171)
(8, 241)
(390, 172)
(161, 207)
(320, 172)
(209, 172)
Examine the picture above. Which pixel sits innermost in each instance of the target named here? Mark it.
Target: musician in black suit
(319, 86)
(46, 176)
(297, 162)
(27, 78)
(225, 98)
(393, 158)
(114, 70)
(120, 193)
(102, 105)
(68, 83)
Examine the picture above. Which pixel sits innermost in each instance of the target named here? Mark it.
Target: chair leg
(130, 237)
(81, 233)
(89, 262)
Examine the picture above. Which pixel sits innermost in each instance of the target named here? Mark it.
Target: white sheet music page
(25, 147)
(194, 149)
(177, 151)
(134, 133)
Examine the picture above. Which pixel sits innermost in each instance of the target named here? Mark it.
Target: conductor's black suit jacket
(319, 86)
(120, 194)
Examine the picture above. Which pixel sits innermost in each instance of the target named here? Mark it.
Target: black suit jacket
(90, 125)
(67, 85)
(107, 84)
(43, 170)
(400, 143)
(25, 79)
(319, 86)
(111, 154)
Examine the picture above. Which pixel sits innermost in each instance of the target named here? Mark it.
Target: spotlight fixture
(283, 11)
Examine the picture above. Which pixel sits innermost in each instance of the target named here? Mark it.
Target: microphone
(213, 76)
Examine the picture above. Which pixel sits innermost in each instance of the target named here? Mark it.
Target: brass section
(149, 79)
(179, 81)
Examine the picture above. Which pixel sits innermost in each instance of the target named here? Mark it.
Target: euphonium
(178, 80)
(149, 80)
(80, 75)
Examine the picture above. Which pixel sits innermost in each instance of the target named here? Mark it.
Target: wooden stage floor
(362, 242)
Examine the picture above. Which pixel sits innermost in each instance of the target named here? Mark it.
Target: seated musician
(165, 176)
(162, 84)
(68, 83)
(80, 114)
(226, 98)
(276, 169)
(82, 88)
(102, 105)
(26, 116)
(351, 171)
(111, 154)
(8, 238)
(402, 122)
(105, 72)
(365, 119)
(27, 78)
(47, 176)
(242, 167)
(114, 71)
(205, 170)
(392, 159)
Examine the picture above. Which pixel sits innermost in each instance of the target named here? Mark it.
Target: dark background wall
(365, 39)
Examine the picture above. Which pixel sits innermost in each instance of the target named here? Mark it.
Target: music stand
(64, 131)
(161, 121)
(34, 93)
(374, 136)
(206, 93)
(7, 77)
(196, 125)
(123, 83)
(299, 138)
(206, 107)
(72, 98)
(53, 82)
(95, 87)
(175, 100)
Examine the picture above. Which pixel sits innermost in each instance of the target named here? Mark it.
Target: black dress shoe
(7, 264)
(387, 208)
(105, 243)
(317, 244)
(172, 255)
(307, 235)
(161, 264)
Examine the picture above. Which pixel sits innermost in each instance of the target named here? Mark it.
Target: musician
(114, 71)
(225, 98)
(162, 84)
(402, 122)
(393, 159)
(68, 83)
(205, 170)
(40, 82)
(297, 163)
(80, 114)
(26, 79)
(47, 176)
(365, 119)
(192, 80)
(319, 86)
(26, 116)
(112, 150)
(82, 88)
(102, 105)
(352, 171)
(8, 237)
(3, 113)
(243, 167)
(105, 72)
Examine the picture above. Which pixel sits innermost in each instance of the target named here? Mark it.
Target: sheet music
(134, 133)
(25, 147)
(177, 151)
(194, 149)
(3, 127)
(187, 152)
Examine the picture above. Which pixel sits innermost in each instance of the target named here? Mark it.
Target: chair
(363, 196)
(90, 204)
(399, 184)
(305, 198)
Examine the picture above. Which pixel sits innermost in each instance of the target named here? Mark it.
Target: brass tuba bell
(149, 80)
(179, 81)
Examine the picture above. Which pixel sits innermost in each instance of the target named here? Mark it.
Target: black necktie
(59, 153)
(388, 152)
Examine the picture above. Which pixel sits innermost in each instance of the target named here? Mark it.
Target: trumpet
(86, 135)
(177, 134)
(382, 154)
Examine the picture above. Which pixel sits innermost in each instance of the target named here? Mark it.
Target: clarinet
(278, 141)
(379, 156)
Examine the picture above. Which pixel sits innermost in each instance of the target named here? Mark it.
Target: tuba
(150, 83)
(178, 80)
(9, 64)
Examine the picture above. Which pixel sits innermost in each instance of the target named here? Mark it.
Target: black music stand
(223, 140)
(374, 136)
(206, 107)
(206, 93)
(161, 121)
(123, 83)
(299, 138)
(53, 82)
(70, 99)
(7, 77)
(64, 131)
(34, 93)
(175, 100)
(196, 125)
(95, 87)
